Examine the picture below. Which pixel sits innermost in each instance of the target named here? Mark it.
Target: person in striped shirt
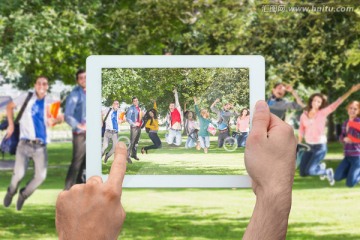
(312, 128)
(349, 167)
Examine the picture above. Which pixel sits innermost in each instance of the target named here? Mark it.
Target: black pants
(78, 163)
(134, 140)
(155, 139)
(221, 137)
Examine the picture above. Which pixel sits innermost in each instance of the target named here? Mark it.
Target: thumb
(261, 119)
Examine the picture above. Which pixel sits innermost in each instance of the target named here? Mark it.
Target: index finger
(118, 168)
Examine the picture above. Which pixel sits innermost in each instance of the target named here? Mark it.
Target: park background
(315, 50)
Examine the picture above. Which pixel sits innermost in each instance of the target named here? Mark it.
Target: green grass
(318, 212)
(178, 160)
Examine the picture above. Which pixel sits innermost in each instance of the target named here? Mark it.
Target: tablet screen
(153, 111)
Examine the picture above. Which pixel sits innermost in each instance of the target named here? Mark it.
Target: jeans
(38, 154)
(221, 137)
(78, 162)
(174, 135)
(155, 139)
(204, 141)
(310, 161)
(349, 168)
(134, 140)
(114, 138)
(191, 140)
(241, 139)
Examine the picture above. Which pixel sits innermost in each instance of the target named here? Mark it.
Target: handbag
(8, 145)
(211, 129)
(103, 128)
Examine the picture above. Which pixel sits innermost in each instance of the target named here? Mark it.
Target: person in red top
(174, 122)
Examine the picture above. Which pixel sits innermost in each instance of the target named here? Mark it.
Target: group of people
(34, 124)
(196, 124)
(312, 130)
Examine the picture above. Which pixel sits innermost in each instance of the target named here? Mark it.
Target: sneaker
(322, 167)
(129, 160)
(8, 198)
(330, 176)
(21, 200)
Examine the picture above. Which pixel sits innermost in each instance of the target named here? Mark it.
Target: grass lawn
(318, 212)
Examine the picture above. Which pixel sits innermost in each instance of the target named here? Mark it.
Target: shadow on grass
(33, 222)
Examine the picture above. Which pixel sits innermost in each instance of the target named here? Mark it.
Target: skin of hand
(82, 126)
(270, 162)
(94, 210)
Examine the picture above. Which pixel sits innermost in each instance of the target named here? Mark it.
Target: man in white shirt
(112, 120)
(34, 123)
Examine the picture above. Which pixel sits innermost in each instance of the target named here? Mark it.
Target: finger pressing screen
(118, 167)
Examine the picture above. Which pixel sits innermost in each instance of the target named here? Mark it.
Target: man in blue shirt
(75, 116)
(133, 117)
(34, 123)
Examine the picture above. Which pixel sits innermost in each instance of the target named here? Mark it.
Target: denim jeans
(310, 161)
(221, 138)
(155, 139)
(114, 138)
(174, 135)
(204, 141)
(24, 152)
(349, 168)
(191, 140)
(241, 139)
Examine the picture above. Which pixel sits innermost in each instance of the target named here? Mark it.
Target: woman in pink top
(312, 128)
(242, 127)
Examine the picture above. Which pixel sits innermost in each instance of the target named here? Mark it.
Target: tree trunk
(331, 136)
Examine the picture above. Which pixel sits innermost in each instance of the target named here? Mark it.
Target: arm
(237, 124)
(155, 106)
(301, 129)
(332, 107)
(128, 117)
(213, 108)
(71, 102)
(10, 117)
(262, 158)
(299, 101)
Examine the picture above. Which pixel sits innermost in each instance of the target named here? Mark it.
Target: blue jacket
(75, 108)
(132, 115)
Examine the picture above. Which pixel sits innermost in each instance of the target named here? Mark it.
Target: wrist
(277, 199)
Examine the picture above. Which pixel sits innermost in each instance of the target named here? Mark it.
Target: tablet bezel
(94, 66)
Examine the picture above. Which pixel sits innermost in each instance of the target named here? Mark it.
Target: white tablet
(238, 81)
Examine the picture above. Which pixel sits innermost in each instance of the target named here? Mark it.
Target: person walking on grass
(152, 127)
(75, 116)
(112, 122)
(349, 168)
(242, 127)
(205, 121)
(34, 137)
(134, 118)
(312, 128)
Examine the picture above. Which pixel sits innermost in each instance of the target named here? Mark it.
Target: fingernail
(261, 106)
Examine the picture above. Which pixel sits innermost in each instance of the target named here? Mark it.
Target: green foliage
(228, 84)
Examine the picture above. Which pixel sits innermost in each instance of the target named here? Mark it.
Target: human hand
(195, 100)
(289, 88)
(270, 161)
(9, 130)
(81, 126)
(137, 124)
(94, 210)
(217, 100)
(347, 140)
(270, 153)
